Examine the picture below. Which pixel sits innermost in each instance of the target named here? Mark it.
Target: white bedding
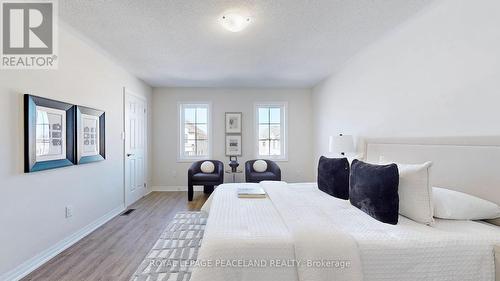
(254, 229)
(315, 237)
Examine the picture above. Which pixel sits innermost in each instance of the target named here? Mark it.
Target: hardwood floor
(115, 250)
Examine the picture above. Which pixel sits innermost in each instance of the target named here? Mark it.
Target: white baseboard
(38, 260)
(149, 192)
(175, 188)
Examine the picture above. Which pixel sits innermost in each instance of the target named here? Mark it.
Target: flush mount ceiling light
(234, 22)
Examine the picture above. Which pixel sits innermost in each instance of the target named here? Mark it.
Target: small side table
(234, 173)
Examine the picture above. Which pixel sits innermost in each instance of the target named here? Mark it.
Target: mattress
(253, 228)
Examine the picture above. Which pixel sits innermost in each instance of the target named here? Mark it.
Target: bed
(269, 239)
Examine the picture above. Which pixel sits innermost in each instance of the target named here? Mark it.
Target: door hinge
(145, 185)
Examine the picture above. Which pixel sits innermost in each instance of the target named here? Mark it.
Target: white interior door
(135, 147)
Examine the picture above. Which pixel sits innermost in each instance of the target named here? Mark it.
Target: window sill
(285, 159)
(191, 160)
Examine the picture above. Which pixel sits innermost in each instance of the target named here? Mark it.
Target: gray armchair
(197, 177)
(273, 172)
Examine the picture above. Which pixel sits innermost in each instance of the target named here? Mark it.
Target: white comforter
(274, 231)
(315, 237)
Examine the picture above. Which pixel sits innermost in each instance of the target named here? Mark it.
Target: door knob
(129, 154)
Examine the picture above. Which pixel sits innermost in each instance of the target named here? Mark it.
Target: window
(271, 130)
(194, 131)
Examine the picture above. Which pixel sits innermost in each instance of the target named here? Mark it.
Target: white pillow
(450, 204)
(207, 167)
(415, 192)
(260, 166)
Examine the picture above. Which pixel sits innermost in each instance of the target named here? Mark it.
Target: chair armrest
(195, 168)
(248, 170)
(220, 168)
(275, 169)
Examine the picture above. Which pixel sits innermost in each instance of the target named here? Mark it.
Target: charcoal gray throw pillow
(374, 190)
(333, 176)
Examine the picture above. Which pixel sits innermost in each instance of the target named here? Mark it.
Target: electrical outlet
(69, 211)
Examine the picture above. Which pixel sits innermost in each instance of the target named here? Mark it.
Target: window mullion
(269, 130)
(183, 132)
(282, 120)
(196, 132)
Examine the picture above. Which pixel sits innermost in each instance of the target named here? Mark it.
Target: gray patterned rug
(176, 250)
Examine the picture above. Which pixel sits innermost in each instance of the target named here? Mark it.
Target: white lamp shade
(342, 143)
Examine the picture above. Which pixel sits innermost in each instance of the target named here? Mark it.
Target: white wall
(438, 74)
(32, 206)
(169, 173)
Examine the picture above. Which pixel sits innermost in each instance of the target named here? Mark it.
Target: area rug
(175, 252)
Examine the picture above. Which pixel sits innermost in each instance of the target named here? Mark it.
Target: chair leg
(190, 193)
(208, 189)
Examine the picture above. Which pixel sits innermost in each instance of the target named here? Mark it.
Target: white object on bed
(241, 229)
(207, 167)
(415, 192)
(450, 204)
(251, 192)
(255, 229)
(314, 237)
(281, 228)
(260, 166)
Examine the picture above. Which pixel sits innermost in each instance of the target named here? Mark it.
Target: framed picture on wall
(233, 145)
(233, 122)
(49, 130)
(90, 135)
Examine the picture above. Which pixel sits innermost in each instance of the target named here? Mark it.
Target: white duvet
(263, 240)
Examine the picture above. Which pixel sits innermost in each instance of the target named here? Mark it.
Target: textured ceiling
(291, 43)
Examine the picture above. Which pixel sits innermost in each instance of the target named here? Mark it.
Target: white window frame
(284, 130)
(181, 157)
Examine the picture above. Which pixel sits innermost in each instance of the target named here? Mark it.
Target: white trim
(170, 188)
(180, 120)
(35, 262)
(284, 123)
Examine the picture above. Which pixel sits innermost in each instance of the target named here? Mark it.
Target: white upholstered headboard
(466, 164)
